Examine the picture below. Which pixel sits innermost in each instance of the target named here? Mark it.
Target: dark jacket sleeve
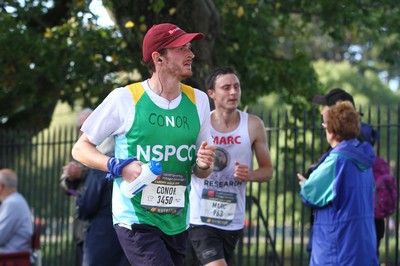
(90, 199)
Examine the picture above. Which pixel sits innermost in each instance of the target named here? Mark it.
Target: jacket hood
(359, 151)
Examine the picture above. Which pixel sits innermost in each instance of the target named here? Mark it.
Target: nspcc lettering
(163, 153)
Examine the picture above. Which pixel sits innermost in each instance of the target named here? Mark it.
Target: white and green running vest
(167, 136)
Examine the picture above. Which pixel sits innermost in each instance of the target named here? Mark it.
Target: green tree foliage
(51, 53)
(364, 33)
(55, 50)
(365, 86)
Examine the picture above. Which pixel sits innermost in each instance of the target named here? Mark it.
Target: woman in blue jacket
(341, 189)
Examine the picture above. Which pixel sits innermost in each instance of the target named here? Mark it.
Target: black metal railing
(277, 223)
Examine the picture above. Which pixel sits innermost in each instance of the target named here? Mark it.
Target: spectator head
(343, 120)
(82, 116)
(332, 97)
(8, 182)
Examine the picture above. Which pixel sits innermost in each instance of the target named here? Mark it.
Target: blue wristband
(115, 165)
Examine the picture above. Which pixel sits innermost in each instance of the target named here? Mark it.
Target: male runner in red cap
(157, 119)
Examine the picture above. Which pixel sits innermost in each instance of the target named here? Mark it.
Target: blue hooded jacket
(341, 188)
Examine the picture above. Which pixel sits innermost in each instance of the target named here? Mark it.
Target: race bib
(165, 195)
(217, 207)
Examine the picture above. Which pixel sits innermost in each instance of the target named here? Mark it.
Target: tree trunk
(191, 16)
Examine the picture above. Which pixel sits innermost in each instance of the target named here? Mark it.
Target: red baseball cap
(166, 35)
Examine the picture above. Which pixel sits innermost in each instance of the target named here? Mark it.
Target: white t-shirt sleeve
(203, 109)
(113, 117)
